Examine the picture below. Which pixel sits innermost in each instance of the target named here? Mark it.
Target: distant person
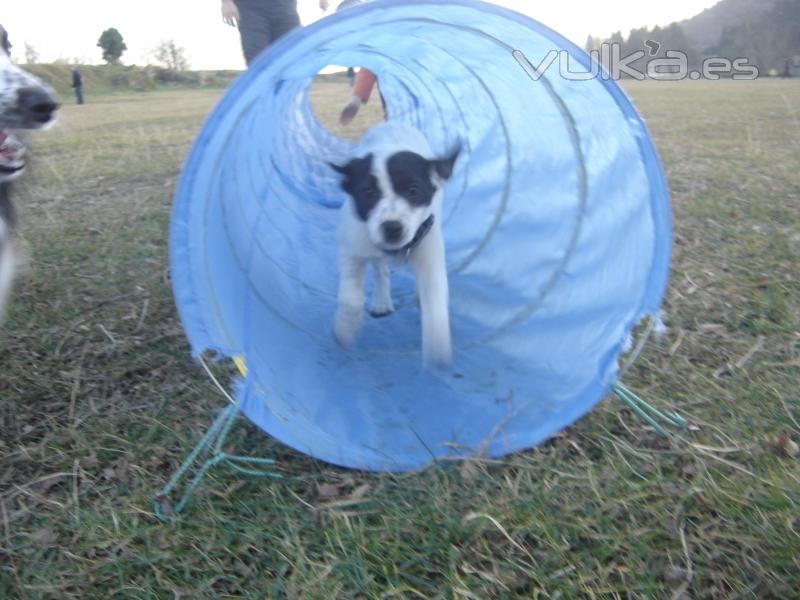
(362, 83)
(351, 72)
(351, 76)
(787, 68)
(261, 22)
(77, 85)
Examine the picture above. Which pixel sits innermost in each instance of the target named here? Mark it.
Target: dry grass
(99, 402)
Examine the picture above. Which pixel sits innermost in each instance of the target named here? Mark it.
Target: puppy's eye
(370, 191)
(412, 192)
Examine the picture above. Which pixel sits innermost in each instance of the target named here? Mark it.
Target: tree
(636, 40)
(171, 56)
(673, 37)
(112, 44)
(31, 55)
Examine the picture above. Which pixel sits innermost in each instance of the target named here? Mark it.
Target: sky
(69, 29)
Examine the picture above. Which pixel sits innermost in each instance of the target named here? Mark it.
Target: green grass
(101, 80)
(99, 401)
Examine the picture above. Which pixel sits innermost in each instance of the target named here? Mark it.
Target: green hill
(705, 30)
(767, 35)
(766, 32)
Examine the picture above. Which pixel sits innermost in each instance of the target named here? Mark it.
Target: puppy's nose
(392, 231)
(36, 104)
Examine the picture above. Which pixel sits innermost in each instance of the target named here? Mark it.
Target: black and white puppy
(25, 103)
(393, 214)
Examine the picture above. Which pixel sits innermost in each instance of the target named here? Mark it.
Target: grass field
(99, 401)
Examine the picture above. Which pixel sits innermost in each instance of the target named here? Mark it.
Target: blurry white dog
(393, 214)
(25, 103)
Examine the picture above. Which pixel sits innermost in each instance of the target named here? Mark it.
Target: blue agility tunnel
(556, 222)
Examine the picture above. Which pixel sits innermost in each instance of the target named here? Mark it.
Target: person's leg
(362, 89)
(364, 84)
(79, 94)
(283, 17)
(254, 28)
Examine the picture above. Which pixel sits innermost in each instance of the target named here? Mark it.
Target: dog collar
(423, 230)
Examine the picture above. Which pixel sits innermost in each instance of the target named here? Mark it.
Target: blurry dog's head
(25, 103)
(394, 191)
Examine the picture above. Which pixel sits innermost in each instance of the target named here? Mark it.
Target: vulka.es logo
(609, 63)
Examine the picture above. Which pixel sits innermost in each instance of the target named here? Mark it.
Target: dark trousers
(79, 94)
(261, 22)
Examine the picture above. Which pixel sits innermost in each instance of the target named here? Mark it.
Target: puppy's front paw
(438, 358)
(346, 326)
(381, 309)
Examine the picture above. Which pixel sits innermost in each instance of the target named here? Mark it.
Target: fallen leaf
(43, 536)
(44, 485)
(165, 507)
(347, 480)
(676, 576)
(328, 490)
(360, 492)
(89, 462)
(784, 445)
(235, 487)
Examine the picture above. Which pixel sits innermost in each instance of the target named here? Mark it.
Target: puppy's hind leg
(351, 301)
(382, 299)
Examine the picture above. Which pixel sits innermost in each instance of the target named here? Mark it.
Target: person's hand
(324, 5)
(350, 110)
(230, 13)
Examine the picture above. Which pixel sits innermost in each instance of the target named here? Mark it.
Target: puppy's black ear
(343, 170)
(443, 167)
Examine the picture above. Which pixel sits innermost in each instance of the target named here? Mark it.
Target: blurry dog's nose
(36, 104)
(392, 231)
